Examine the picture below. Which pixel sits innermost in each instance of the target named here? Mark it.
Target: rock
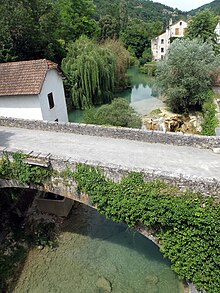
(104, 284)
(216, 150)
(153, 279)
(40, 247)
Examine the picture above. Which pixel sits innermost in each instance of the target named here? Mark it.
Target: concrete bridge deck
(176, 160)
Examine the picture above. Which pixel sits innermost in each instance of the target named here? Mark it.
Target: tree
(28, 29)
(123, 14)
(118, 113)
(91, 71)
(185, 75)
(202, 26)
(122, 58)
(76, 19)
(138, 34)
(108, 28)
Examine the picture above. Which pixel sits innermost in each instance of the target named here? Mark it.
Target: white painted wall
(161, 44)
(26, 107)
(53, 83)
(217, 31)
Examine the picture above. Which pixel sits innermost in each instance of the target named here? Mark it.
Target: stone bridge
(188, 161)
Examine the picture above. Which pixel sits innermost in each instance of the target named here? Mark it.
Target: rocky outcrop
(169, 122)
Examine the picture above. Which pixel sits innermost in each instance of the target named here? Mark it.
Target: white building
(161, 44)
(32, 90)
(217, 31)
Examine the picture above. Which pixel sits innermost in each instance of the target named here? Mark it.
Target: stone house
(161, 44)
(32, 90)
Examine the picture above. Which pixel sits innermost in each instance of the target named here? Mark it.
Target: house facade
(161, 44)
(217, 31)
(32, 90)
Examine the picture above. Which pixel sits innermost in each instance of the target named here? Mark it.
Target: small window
(162, 41)
(181, 23)
(50, 100)
(177, 31)
(162, 50)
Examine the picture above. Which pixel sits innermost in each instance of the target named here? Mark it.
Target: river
(96, 255)
(140, 95)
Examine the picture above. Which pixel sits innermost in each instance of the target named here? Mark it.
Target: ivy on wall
(186, 223)
(25, 173)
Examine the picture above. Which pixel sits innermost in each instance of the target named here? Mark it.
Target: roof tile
(24, 77)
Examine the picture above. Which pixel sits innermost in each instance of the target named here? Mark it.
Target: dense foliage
(213, 6)
(118, 113)
(202, 26)
(186, 223)
(91, 72)
(32, 29)
(210, 121)
(184, 76)
(138, 34)
(147, 11)
(122, 59)
(23, 172)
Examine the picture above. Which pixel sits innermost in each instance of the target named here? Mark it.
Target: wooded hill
(142, 9)
(213, 6)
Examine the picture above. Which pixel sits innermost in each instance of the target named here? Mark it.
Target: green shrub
(149, 68)
(210, 121)
(118, 113)
(21, 171)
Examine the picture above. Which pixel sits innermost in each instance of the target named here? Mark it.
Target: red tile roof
(24, 77)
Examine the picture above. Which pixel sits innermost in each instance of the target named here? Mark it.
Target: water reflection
(141, 95)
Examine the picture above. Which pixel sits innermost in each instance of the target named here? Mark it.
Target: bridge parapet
(62, 185)
(179, 139)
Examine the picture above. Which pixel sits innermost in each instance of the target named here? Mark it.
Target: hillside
(142, 9)
(214, 6)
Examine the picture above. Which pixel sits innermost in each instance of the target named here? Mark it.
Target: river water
(96, 255)
(141, 95)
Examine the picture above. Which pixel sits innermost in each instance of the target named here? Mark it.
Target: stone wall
(207, 142)
(59, 185)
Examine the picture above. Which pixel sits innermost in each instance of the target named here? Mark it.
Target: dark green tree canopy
(138, 34)
(185, 75)
(76, 17)
(109, 28)
(202, 26)
(28, 29)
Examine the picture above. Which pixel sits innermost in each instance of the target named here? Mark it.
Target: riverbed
(96, 255)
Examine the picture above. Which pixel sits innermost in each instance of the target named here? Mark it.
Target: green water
(92, 249)
(140, 95)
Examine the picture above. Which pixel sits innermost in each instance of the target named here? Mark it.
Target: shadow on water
(93, 250)
(5, 138)
(13, 207)
(84, 220)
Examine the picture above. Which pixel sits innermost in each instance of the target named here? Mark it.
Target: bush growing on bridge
(21, 171)
(187, 224)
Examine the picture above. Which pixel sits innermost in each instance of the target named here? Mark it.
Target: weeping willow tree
(122, 61)
(91, 72)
